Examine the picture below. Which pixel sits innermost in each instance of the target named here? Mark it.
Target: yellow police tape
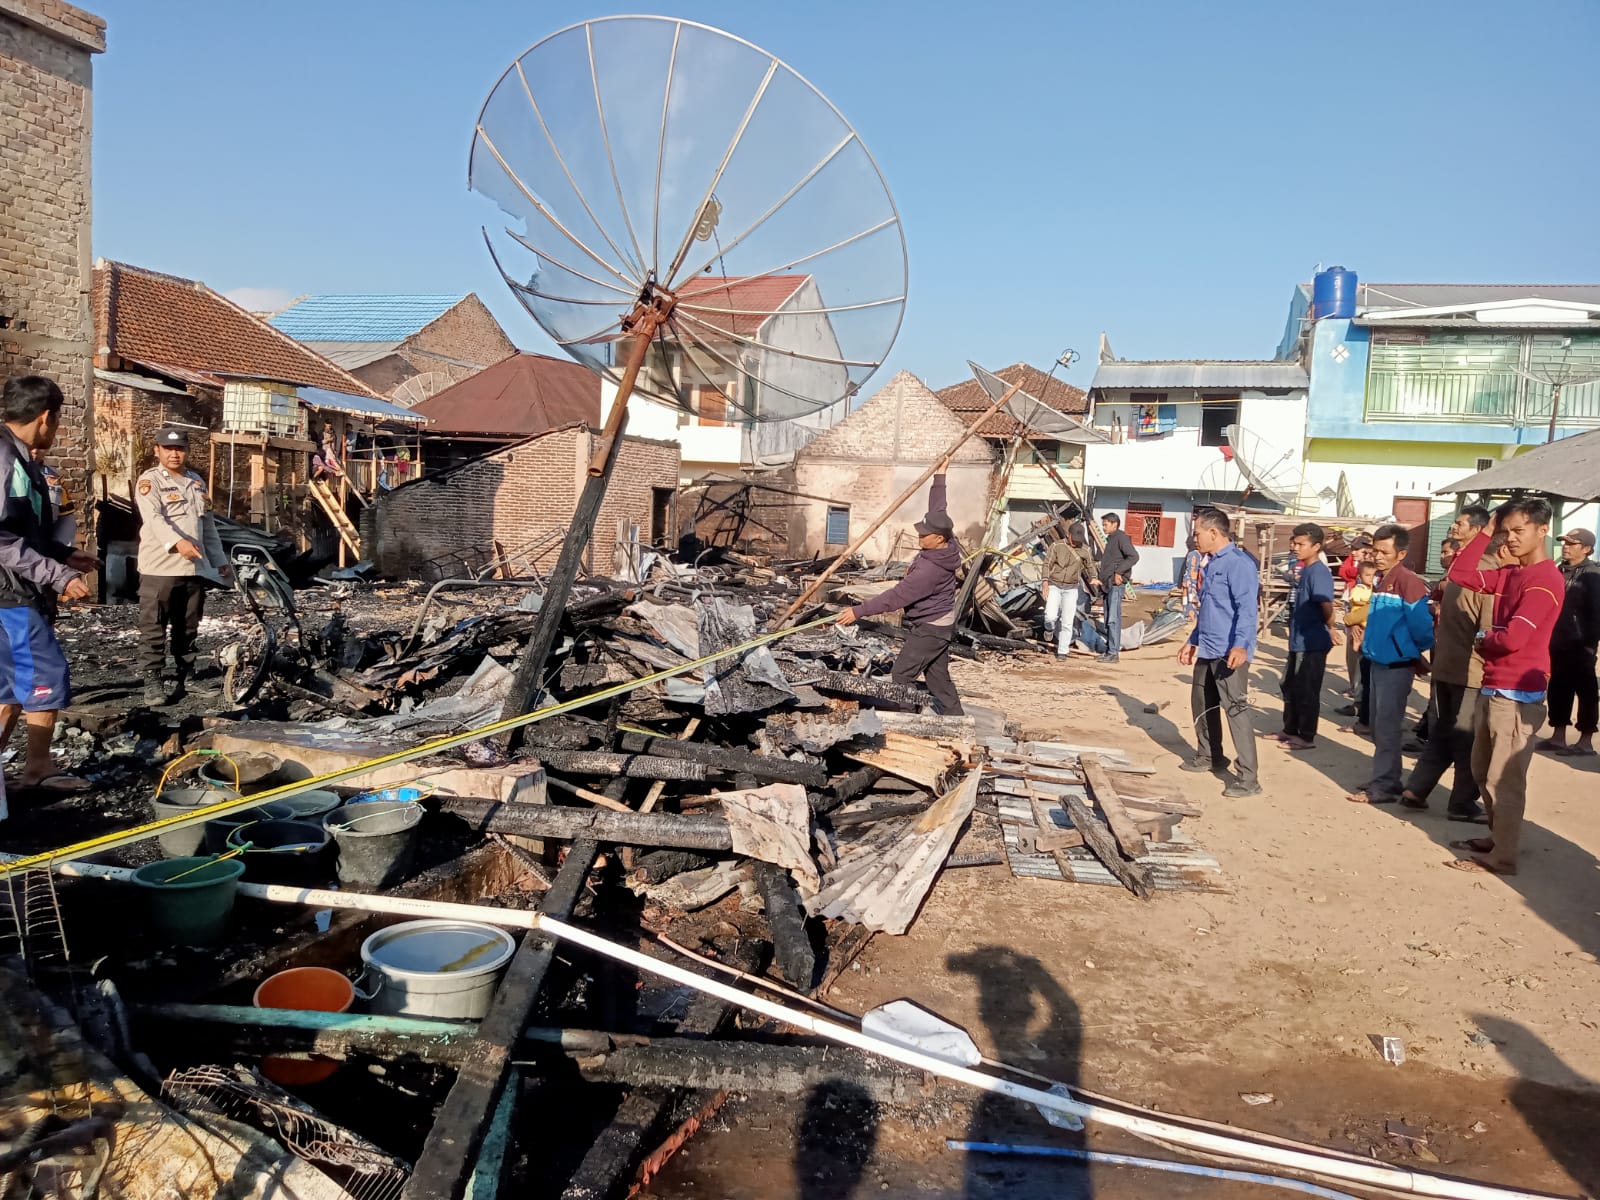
(139, 833)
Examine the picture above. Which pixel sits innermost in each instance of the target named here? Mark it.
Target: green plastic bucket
(194, 910)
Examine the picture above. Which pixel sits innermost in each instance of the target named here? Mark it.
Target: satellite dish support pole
(643, 324)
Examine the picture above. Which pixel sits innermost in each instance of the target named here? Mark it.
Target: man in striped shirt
(1516, 672)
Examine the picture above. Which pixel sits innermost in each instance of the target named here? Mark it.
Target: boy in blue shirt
(1312, 633)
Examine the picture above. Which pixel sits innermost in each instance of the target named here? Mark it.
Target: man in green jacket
(1068, 566)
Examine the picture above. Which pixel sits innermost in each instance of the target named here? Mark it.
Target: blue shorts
(33, 670)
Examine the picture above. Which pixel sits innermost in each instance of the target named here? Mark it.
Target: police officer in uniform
(178, 549)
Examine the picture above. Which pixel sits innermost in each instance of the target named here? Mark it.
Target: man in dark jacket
(928, 595)
(1116, 568)
(1572, 649)
(34, 567)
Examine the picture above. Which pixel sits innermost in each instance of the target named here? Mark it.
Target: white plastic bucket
(443, 969)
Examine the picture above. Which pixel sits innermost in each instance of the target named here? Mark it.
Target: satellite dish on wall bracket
(1271, 471)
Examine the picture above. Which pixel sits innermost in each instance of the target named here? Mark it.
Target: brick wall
(468, 332)
(45, 119)
(125, 422)
(451, 524)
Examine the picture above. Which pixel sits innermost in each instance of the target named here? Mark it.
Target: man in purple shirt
(928, 595)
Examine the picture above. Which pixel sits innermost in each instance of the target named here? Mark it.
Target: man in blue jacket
(928, 595)
(1220, 650)
(1398, 636)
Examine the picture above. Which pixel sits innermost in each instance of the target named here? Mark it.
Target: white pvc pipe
(1376, 1175)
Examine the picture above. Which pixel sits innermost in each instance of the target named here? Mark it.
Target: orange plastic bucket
(317, 989)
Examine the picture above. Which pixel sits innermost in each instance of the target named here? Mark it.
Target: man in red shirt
(1516, 672)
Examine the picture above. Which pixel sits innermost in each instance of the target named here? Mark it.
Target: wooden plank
(921, 761)
(1099, 839)
(1105, 795)
(451, 1149)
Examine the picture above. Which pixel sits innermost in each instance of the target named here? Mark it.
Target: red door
(1411, 513)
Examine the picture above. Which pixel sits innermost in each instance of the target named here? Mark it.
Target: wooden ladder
(330, 505)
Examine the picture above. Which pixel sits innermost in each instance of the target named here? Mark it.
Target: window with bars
(1147, 526)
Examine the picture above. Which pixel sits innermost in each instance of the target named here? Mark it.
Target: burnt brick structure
(489, 509)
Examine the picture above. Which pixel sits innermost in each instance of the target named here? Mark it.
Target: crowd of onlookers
(1505, 637)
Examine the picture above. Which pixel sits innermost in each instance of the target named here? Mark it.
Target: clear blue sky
(1164, 171)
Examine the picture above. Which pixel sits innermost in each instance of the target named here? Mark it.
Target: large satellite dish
(680, 198)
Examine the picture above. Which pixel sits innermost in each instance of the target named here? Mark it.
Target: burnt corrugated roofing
(521, 396)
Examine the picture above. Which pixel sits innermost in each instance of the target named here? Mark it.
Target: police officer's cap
(172, 436)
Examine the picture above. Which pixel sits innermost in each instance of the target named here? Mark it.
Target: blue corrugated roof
(361, 318)
(364, 406)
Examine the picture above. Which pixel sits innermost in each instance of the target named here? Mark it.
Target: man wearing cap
(178, 542)
(1572, 649)
(928, 595)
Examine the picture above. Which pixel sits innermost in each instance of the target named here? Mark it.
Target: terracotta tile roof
(521, 396)
(752, 300)
(157, 319)
(969, 401)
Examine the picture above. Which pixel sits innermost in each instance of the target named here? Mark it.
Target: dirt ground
(1342, 925)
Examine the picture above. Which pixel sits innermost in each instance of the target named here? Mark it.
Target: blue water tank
(1333, 294)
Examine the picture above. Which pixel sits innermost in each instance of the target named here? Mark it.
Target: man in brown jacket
(1457, 676)
(1068, 567)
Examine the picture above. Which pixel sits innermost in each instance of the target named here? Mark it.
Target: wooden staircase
(348, 533)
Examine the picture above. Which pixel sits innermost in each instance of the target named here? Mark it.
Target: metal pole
(527, 685)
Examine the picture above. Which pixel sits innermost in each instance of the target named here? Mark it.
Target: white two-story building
(1185, 434)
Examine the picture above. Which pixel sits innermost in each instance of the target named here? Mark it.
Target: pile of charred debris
(760, 816)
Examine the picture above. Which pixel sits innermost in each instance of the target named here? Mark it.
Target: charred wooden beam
(792, 949)
(242, 1029)
(633, 766)
(661, 865)
(752, 1067)
(725, 758)
(554, 821)
(1098, 838)
(452, 1145)
(884, 691)
(612, 1158)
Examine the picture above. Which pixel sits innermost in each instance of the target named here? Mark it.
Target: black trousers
(1450, 713)
(1364, 700)
(1572, 677)
(1219, 691)
(1302, 692)
(926, 653)
(169, 613)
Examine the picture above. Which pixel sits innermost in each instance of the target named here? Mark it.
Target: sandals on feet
(1479, 866)
(1476, 845)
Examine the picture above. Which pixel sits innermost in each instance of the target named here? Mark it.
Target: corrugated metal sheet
(521, 396)
(1433, 295)
(351, 355)
(362, 317)
(1569, 468)
(360, 406)
(1178, 865)
(1196, 373)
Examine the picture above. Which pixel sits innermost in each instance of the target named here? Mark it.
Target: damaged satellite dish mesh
(652, 164)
